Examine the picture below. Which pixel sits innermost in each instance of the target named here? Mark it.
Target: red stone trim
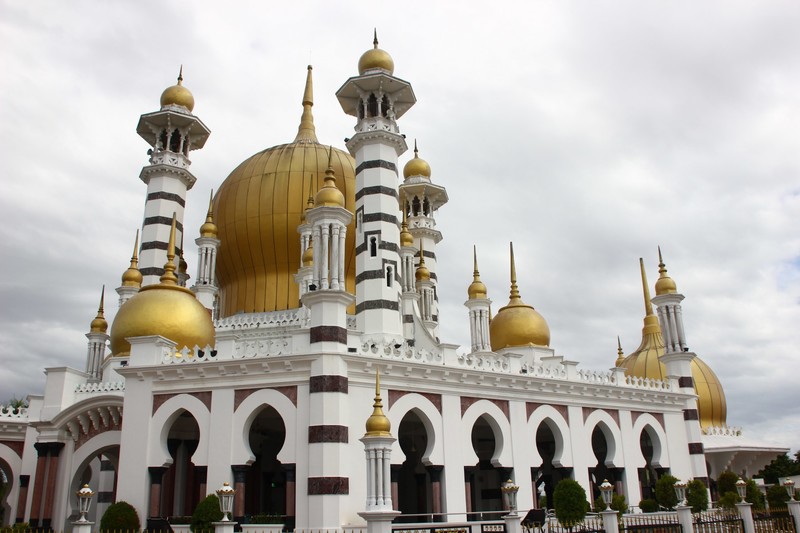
(435, 399)
(686, 382)
(328, 485)
(328, 384)
(328, 333)
(16, 445)
(696, 448)
(562, 409)
(241, 395)
(327, 434)
(160, 399)
(467, 401)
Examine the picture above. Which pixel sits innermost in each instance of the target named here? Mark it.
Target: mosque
(317, 269)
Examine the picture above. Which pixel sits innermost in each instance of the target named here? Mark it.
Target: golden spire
(513, 295)
(180, 75)
(169, 277)
(406, 239)
(306, 132)
(209, 228)
(665, 284)
(375, 58)
(416, 152)
(329, 195)
(648, 305)
(620, 354)
(377, 424)
(422, 273)
(183, 266)
(132, 277)
(99, 324)
(375, 39)
(476, 289)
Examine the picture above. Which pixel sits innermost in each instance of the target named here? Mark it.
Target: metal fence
(774, 521)
(718, 522)
(651, 523)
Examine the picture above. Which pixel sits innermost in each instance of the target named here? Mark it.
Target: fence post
(513, 522)
(610, 521)
(685, 518)
(746, 512)
(82, 527)
(794, 510)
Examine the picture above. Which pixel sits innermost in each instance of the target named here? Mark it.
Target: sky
(588, 133)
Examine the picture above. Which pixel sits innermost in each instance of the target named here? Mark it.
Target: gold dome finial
(99, 324)
(620, 354)
(178, 94)
(183, 266)
(513, 294)
(417, 166)
(308, 255)
(375, 58)
(209, 228)
(406, 239)
(378, 425)
(306, 131)
(169, 277)
(422, 273)
(309, 200)
(375, 38)
(132, 277)
(329, 195)
(476, 289)
(665, 284)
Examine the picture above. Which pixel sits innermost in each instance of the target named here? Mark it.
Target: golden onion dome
(517, 324)
(164, 309)
(476, 290)
(178, 95)
(417, 166)
(378, 425)
(209, 228)
(308, 256)
(132, 277)
(422, 273)
(406, 239)
(664, 284)
(258, 209)
(99, 323)
(375, 58)
(329, 195)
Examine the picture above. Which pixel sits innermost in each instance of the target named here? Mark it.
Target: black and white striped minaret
(172, 132)
(377, 99)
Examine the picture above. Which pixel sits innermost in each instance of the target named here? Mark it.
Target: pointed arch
(649, 423)
(606, 423)
(501, 429)
(246, 413)
(430, 417)
(162, 422)
(547, 414)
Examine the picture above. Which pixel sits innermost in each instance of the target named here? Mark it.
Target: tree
(697, 496)
(781, 466)
(754, 495)
(665, 491)
(777, 496)
(120, 516)
(726, 482)
(207, 511)
(569, 499)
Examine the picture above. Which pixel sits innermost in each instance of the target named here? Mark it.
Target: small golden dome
(209, 228)
(664, 284)
(132, 277)
(329, 195)
(99, 324)
(417, 166)
(178, 94)
(375, 58)
(406, 239)
(308, 256)
(422, 273)
(377, 424)
(517, 324)
(477, 290)
(620, 354)
(165, 309)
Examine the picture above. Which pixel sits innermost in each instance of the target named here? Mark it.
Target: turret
(98, 337)
(479, 306)
(205, 287)
(132, 277)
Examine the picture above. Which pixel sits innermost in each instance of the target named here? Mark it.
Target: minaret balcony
(377, 124)
(167, 157)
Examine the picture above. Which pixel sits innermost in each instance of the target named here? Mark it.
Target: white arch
(82, 456)
(613, 436)
(558, 425)
(500, 428)
(649, 423)
(430, 417)
(14, 463)
(162, 422)
(243, 418)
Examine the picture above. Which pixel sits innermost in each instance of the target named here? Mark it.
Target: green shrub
(648, 505)
(665, 491)
(697, 496)
(754, 495)
(728, 500)
(569, 500)
(777, 496)
(120, 516)
(206, 513)
(618, 504)
(726, 482)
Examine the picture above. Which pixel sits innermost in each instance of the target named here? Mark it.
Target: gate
(775, 521)
(718, 522)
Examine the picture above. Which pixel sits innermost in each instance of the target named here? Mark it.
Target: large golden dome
(257, 210)
(518, 324)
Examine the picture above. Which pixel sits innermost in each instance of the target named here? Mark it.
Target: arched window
(389, 276)
(372, 106)
(373, 246)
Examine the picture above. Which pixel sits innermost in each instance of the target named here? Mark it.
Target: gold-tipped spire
(416, 166)
(375, 58)
(169, 277)
(306, 131)
(648, 305)
(209, 228)
(416, 151)
(620, 354)
(178, 94)
(406, 239)
(375, 38)
(665, 284)
(329, 195)
(513, 294)
(99, 324)
(180, 75)
(132, 277)
(476, 290)
(422, 273)
(378, 425)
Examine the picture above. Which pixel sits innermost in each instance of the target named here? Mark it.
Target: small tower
(678, 361)
(172, 132)
(479, 306)
(305, 272)
(378, 442)
(205, 288)
(183, 267)
(377, 99)
(132, 277)
(98, 337)
(420, 198)
(409, 295)
(427, 304)
(620, 354)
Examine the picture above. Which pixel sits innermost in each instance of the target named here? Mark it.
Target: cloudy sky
(586, 132)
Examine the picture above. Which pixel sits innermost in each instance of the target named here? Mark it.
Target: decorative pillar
(479, 306)
(746, 513)
(42, 449)
(435, 471)
(611, 521)
(98, 337)
(239, 485)
(205, 288)
(50, 484)
(685, 517)
(794, 510)
(22, 497)
(156, 477)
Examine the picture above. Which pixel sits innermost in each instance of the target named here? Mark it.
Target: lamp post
(741, 488)
(225, 495)
(789, 486)
(607, 492)
(510, 491)
(680, 492)
(85, 495)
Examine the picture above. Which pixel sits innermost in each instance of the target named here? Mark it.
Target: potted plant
(264, 523)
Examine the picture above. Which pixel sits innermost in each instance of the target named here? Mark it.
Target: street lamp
(741, 488)
(510, 491)
(607, 492)
(680, 492)
(84, 495)
(225, 495)
(789, 486)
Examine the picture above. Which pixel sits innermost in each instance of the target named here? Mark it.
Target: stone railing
(597, 376)
(647, 383)
(298, 318)
(723, 431)
(8, 412)
(197, 355)
(98, 388)
(399, 349)
(484, 361)
(262, 346)
(550, 370)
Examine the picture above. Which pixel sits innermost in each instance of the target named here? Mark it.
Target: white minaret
(409, 295)
(205, 287)
(479, 306)
(305, 273)
(377, 99)
(677, 360)
(98, 337)
(427, 303)
(132, 277)
(420, 199)
(172, 132)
